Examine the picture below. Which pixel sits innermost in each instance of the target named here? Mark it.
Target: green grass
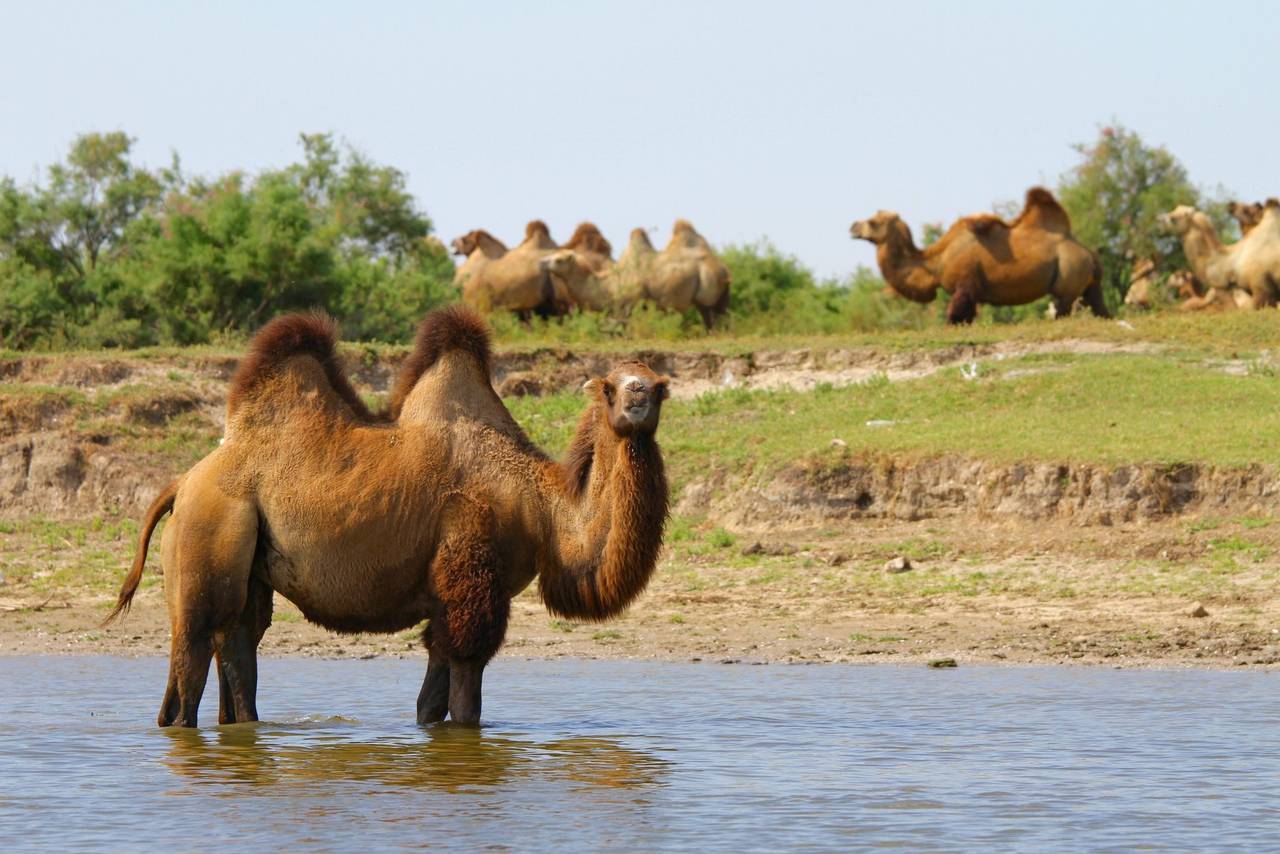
(1111, 409)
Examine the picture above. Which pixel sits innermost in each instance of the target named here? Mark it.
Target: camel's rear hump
(442, 331)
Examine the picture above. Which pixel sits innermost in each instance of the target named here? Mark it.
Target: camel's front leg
(963, 307)
(433, 699)
(466, 578)
(464, 691)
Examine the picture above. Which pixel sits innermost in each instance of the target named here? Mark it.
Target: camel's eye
(609, 391)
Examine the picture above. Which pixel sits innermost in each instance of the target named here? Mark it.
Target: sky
(785, 120)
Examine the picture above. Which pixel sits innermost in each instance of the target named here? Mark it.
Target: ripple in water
(596, 754)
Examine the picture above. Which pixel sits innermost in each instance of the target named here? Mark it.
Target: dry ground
(979, 591)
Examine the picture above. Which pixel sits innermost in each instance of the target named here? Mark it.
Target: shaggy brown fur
(442, 515)
(448, 329)
(315, 335)
(984, 260)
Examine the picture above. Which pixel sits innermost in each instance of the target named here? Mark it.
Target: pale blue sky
(781, 119)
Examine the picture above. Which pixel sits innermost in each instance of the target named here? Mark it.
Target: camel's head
(876, 229)
(632, 397)
(1179, 220)
(562, 262)
(1246, 214)
(466, 244)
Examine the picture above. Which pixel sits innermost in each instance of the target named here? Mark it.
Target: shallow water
(604, 754)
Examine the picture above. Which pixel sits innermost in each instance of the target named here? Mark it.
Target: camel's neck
(607, 529)
(490, 246)
(903, 267)
(1202, 248)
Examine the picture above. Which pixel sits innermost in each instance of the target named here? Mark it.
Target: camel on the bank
(1251, 264)
(685, 274)
(477, 248)
(983, 259)
(513, 281)
(1142, 284)
(441, 510)
(1246, 214)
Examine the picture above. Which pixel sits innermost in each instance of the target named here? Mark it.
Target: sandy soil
(981, 591)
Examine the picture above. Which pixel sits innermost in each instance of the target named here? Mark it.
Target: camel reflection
(444, 757)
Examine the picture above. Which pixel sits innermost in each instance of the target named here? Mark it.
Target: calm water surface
(608, 754)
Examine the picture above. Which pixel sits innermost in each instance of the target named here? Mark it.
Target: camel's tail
(162, 505)
(453, 328)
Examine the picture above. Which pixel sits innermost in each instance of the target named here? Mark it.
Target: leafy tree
(1114, 196)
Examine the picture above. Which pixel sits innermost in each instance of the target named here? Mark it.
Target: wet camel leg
(237, 651)
(433, 699)
(188, 670)
(464, 691)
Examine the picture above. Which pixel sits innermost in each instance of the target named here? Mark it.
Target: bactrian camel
(439, 510)
(983, 259)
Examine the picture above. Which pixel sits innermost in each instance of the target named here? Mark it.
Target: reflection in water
(442, 756)
(634, 755)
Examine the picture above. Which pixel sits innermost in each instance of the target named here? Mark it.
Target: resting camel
(441, 510)
(1143, 278)
(983, 259)
(686, 274)
(512, 281)
(1251, 264)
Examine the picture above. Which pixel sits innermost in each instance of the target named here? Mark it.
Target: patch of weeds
(562, 626)
(768, 577)
(1252, 524)
(720, 538)
(1208, 523)
(680, 530)
(607, 635)
(676, 618)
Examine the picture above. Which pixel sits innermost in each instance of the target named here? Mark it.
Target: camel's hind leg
(208, 551)
(1094, 299)
(237, 650)
(963, 307)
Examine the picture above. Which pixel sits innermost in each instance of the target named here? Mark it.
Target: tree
(1114, 196)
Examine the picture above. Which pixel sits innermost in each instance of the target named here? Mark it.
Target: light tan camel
(983, 259)
(442, 510)
(477, 248)
(686, 274)
(1251, 264)
(513, 281)
(1143, 279)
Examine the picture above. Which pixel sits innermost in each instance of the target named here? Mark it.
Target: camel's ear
(600, 389)
(661, 387)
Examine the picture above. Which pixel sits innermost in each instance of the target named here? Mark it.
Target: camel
(1246, 214)
(441, 510)
(686, 274)
(983, 259)
(1251, 264)
(512, 280)
(477, 248)
(1143, 278)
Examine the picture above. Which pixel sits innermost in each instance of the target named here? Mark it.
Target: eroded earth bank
(848, 553)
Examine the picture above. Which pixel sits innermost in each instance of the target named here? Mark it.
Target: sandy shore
(979, 593)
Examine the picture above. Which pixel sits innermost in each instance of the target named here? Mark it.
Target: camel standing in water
(983, 259)
(442, 510)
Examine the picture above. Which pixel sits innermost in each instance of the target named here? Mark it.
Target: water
(589, 755)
